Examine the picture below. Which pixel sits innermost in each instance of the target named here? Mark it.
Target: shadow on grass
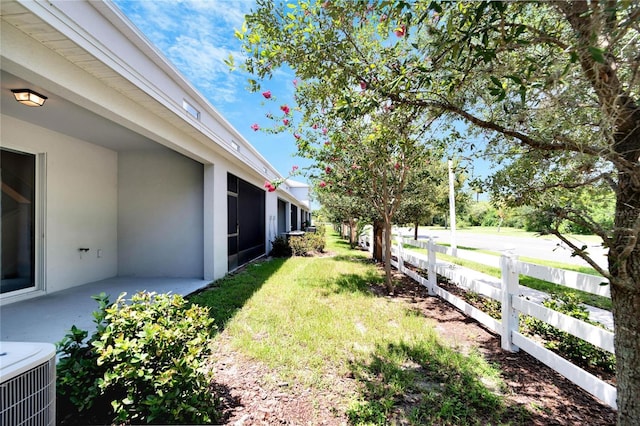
(226, 296)
(342, 244)
(429, 383)
(350, 283)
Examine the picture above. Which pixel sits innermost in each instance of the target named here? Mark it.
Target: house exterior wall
(156, 212)
(80, 203)
(160, 219)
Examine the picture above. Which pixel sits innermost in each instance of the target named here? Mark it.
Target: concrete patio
(48, 318)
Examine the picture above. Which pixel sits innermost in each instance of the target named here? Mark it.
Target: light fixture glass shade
(29, 97)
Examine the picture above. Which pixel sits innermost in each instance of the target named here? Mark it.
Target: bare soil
(251, 393)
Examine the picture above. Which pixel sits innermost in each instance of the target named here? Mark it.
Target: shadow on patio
(48, 318)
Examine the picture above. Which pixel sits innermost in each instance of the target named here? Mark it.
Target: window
(245, 221)
(18, 211)
(191, 109)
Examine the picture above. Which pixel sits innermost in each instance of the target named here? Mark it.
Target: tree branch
(580, 252)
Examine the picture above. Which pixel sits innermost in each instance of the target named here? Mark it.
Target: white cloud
(196, 36)
(231, 12)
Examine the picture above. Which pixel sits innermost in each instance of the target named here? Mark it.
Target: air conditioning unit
(27, 384)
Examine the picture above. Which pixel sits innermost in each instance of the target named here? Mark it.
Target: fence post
(431, 268)
(400, 259)
(510, 284)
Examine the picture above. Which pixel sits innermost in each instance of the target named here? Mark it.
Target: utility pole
(452, 210)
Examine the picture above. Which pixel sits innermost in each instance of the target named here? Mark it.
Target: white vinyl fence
(513, 305)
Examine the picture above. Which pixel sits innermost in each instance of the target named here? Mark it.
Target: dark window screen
(294, 218)
(17, 228)
(250, 219)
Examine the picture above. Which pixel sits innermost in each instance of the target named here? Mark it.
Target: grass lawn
(514, 232)
(315, 319)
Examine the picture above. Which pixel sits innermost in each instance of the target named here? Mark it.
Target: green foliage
(307, 244)
(549, 88)
(299, 245)
(580, 352)
(427, 194)
(280, 247)
(482, 214)
(143, 364)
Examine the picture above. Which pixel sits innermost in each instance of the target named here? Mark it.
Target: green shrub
(300, 245)
(280, 247)
(316, 241)
(307, 244)
(143, 364)
(580, 352)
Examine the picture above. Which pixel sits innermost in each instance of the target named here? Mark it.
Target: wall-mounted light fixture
(29, 97)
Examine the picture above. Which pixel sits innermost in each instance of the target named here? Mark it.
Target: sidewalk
(48, 318)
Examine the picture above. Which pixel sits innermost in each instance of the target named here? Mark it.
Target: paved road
(547, 247)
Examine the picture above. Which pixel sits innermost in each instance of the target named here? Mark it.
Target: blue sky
(197, 36)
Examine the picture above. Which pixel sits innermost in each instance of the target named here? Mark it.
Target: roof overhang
(103, 79)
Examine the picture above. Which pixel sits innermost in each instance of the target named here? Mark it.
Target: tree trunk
(377, 240)
(352, 232)
(387, 255)
(625, 285)
(415, 231)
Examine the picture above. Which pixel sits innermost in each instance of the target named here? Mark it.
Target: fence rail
(513, 305)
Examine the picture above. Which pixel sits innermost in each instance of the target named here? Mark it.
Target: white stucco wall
(80, 202)
(160, 215)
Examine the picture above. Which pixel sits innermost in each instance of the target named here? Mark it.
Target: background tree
(553, 85)
(369, 160)
(343, 208)
(426, 195)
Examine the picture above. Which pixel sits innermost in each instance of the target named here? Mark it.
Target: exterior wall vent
(191, 110)
(235, 145)
(27, 384)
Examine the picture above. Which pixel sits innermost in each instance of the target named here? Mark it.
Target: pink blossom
(285, 122)
(297, 136)
(294, 168)
(324, 130)
(295, 83)
(267, 94)
(269, 186)
(401, 31)
(383, 18)
(396, 166)
(322, 184)
(285, 109)
(328, 169)
(255, 127)
(314, 126)
(363, 85)
(354, 166)
(327, 143)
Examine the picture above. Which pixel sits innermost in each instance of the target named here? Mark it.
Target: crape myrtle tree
(427, 195)
(368, 161)
(366, 156)
(340, 207)
(552, 85)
